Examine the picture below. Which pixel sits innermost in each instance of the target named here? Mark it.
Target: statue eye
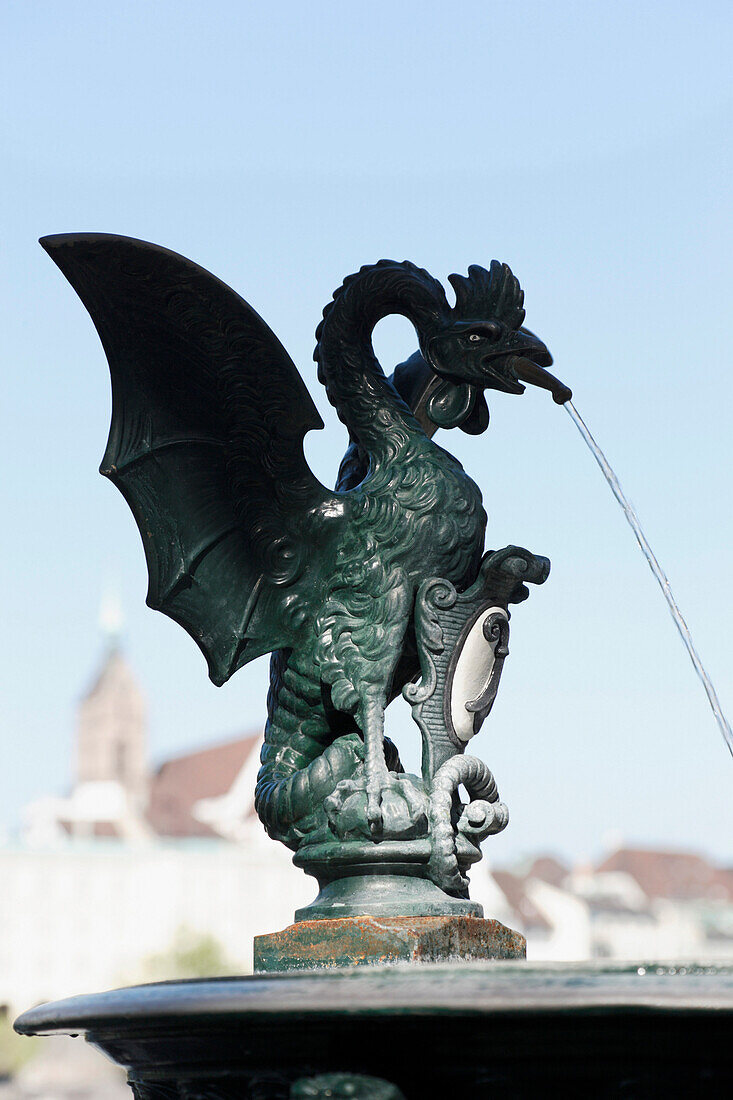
(488, 331)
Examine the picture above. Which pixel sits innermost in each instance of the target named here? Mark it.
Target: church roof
(184, 780)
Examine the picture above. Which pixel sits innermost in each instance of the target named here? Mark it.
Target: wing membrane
(206, 442)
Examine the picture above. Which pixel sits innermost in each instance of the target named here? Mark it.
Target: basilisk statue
(376, 587)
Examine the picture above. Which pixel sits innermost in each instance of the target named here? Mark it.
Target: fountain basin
(415, 1031)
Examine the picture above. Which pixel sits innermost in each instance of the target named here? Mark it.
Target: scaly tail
(491, 817)
(302, 758)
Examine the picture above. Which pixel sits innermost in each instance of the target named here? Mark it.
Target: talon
(374, 813)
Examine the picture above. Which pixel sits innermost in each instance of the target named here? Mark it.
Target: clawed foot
(384, 807)
(375, 784)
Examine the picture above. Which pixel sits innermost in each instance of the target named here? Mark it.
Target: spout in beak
(535, 375)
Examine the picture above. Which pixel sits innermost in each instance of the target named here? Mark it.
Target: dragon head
(484, 346)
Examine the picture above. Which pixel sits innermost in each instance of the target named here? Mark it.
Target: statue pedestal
(364, 941)
(355, 888)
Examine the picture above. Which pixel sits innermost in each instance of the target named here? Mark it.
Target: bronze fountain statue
(376, 588)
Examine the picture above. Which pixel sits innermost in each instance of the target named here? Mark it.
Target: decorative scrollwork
(434, 595)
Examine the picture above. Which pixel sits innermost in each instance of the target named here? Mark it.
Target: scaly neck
(364, 399)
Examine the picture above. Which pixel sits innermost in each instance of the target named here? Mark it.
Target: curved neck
(364, 399)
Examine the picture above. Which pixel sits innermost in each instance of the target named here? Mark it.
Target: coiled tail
(302, 759)
(484, 815)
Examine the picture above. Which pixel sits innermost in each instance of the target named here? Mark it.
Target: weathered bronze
(367, 941)
(377, 587)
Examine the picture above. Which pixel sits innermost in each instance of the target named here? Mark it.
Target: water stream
(658, 572)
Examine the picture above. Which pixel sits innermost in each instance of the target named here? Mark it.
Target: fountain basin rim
(462, 989)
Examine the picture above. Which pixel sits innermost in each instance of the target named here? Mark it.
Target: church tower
(112, 727)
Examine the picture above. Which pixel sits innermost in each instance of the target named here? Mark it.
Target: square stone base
(369, 941)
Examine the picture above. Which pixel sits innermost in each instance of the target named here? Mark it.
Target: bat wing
(206, 445)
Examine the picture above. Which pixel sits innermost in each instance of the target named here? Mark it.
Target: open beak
(528, 371)
(528, 362)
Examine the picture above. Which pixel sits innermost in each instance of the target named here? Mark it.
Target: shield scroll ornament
(462, 640)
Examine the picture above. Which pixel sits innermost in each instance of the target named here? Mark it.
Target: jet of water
(658, 572)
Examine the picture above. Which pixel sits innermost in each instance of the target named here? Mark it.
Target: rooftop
(184, 780)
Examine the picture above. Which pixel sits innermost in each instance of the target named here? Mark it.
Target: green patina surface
(362, 592)
(369, 941)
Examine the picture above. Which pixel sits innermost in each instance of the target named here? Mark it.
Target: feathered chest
(422, 512)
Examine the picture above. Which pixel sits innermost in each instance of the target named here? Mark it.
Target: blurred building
(111, 785)
(111, 742)
(105, 881)
(114, 794)
(635, 904)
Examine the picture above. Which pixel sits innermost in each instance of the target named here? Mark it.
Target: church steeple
(111, 617)
(112, 728)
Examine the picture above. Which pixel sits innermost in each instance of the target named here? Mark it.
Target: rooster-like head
(484, 346)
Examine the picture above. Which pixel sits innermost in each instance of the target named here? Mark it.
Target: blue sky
(282, 146)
